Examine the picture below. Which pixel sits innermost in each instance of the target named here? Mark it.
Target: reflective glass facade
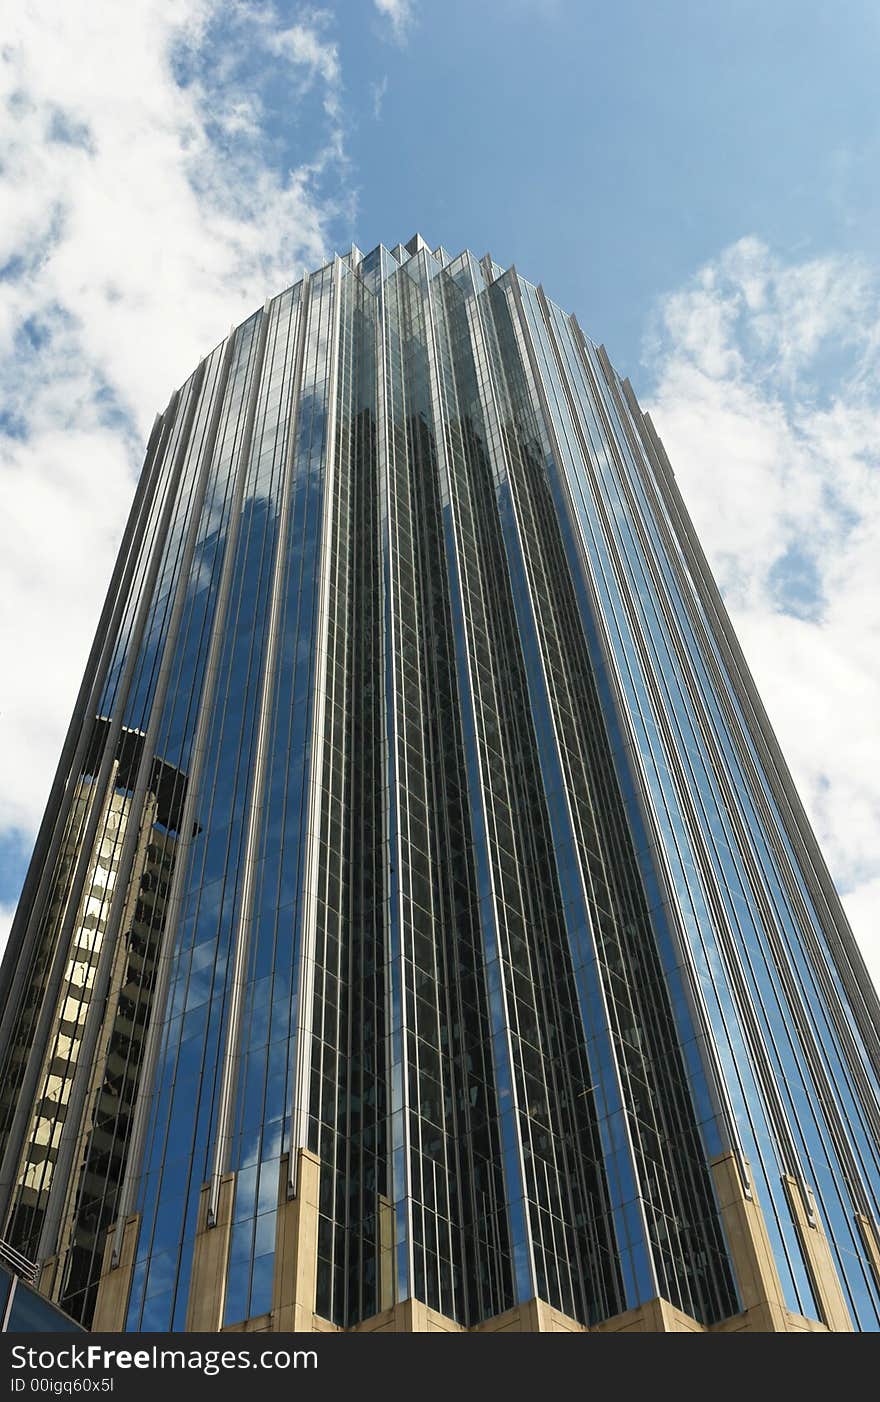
(419, 811)
(23, 1310)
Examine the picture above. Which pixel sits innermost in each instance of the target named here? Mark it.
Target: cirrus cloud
(782, 478)
(400, 17)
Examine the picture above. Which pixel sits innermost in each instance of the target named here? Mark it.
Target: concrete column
(115, 1285)
(537, 1317)
(656, 1316)
(868, 1230)
(207, 1286)
(296, 1247)
(411, 1317)
(49, 1278)
(751, 1254)
(817, 1254)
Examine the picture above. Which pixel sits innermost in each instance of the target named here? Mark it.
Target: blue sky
(697, 181)
(610, 150)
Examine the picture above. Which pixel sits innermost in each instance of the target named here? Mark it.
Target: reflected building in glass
(424, 931)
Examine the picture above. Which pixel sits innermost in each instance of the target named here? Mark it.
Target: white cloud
(378, 91)
(767, 398)
(302, 44)
(862, 905)
(6, 914)
(315, 57)
(399, 14)
(146, 206)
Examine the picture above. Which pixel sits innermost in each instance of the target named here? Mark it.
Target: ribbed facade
(419, 812)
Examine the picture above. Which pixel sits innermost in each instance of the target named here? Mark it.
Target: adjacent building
(424, 931)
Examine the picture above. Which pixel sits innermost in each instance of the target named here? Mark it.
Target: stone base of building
(537, 1317)
(293, 1305)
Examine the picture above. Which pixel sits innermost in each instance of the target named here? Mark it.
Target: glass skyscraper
(424, 931)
